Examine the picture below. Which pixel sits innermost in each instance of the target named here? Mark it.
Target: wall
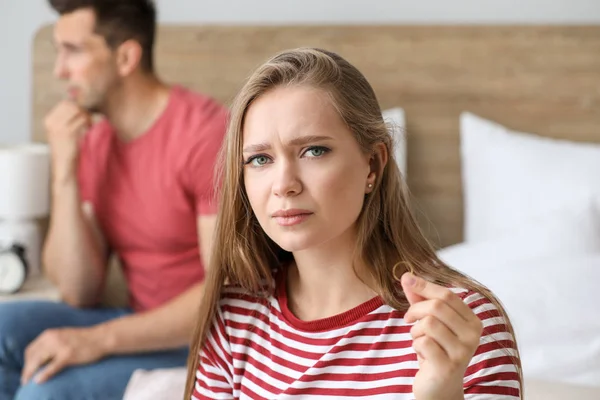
(19, 19)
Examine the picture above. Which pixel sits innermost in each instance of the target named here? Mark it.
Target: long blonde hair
(389, 238)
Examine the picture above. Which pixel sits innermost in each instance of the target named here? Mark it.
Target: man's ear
(129, 57)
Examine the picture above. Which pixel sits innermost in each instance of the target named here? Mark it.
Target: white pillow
(574, 229)
(509, 177)
(394, 117)
(552, 303)
(547, 276)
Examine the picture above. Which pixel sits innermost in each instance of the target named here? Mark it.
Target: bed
(499, 80)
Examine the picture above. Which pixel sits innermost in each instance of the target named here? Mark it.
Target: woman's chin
(294, 244)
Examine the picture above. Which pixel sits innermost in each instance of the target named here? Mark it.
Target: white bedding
(158, 384)
(547, 275)
(540, 390)
(509, 176)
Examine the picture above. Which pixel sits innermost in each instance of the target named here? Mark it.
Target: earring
(370, 185)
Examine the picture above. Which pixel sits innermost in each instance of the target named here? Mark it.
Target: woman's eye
(316, 151)
(261, 160)
(258, 161)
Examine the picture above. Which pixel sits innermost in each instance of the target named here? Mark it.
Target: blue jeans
(22, 322)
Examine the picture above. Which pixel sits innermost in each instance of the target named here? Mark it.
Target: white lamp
(24, 197)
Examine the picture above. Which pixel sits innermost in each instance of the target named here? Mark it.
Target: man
(138, 183)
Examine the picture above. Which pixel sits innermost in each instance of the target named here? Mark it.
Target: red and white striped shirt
(258, 349)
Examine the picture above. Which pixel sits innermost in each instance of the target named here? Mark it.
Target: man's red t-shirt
(148, 193)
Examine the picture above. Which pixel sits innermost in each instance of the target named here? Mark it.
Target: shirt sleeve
(214, 376)
(492, 373)
(199, 168)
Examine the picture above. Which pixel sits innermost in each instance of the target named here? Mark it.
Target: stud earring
(370, 185)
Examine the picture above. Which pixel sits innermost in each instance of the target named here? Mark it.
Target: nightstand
(35, 288)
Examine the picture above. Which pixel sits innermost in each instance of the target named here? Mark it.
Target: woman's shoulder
(239, 294)
(243, 307)
(477, 300)
(233, 292)
(490, 311)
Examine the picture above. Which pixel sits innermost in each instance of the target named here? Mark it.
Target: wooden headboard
(544, 80)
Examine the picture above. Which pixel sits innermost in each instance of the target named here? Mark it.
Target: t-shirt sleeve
(492, 372)
(199, 168)
(214, 376)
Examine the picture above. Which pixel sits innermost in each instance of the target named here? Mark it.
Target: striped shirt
(257, 349)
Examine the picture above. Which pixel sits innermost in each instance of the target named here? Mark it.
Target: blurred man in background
(139, 184)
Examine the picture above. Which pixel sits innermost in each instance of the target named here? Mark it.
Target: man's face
(84, 60)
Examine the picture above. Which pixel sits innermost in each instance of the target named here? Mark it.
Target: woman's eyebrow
(308, 139)
(255, 148)
(299, 141)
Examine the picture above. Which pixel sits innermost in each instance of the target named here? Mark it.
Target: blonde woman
(322, 285)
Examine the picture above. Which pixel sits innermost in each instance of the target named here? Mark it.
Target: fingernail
(410, 281)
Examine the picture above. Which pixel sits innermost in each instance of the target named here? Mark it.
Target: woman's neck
(326, 281)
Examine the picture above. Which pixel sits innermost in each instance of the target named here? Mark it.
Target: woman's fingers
(429, 350)
(418, 289)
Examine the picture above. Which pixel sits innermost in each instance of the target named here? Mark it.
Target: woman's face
(304, 173)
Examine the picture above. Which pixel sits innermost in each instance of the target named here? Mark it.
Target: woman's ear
(129, 56)
(379, 159)
(377, 163)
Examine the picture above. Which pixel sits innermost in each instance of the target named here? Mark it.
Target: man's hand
(65, 124)
(56, 349)
(445, 337)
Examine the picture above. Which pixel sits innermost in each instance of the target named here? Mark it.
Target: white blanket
(158, 384)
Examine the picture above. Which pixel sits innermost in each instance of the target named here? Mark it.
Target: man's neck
(136, 106)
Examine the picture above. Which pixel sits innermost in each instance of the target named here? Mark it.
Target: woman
(321, 282)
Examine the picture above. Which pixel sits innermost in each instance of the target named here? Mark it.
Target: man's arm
(168, 326)
(74, 254)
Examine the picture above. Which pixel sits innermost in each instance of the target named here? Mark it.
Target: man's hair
(118, 21)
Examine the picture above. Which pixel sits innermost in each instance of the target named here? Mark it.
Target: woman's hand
(445, 337)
